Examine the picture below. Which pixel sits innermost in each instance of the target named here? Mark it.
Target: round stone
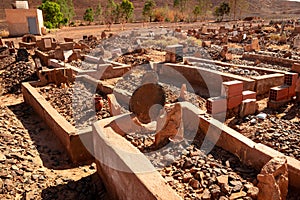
(147, 101)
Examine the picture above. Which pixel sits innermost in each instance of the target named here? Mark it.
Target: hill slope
(257, 7)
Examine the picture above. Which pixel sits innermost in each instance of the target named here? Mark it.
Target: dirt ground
(33, 164)
(77, 32)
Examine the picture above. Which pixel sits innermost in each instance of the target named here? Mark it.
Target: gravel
(66, 101)
(280, 130)
(84, 65)
(33, 165)
(141, 56)
(262, 65)
(232, 70)
(14, 74)
(191, 172)
(6, 62)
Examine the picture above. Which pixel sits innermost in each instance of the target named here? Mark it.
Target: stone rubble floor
(280, 130)
(33, 164)
(66, 101)
(198, 171)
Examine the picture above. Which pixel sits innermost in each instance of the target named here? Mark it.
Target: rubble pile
(141, 56)
(75, 103)
(217, 175)
(16, 73)
(84, 65)
(91, 41)
(196, 174)
(279, 131)
(6, 62)
(262, 65)
(232, 70)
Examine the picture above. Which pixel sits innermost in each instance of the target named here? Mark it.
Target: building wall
(17, 20)
(40, 20)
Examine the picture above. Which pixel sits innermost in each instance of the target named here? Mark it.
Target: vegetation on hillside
(109, 12)
(221, 11)
(89, 15)
(57, 12)
(148, 10)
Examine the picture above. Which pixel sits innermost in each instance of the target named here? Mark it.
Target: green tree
(98, 12)
(89, 15)
(197, 11)
(205, 7)
(66, 8)
(148, 10)
(126, 8)
(52, 14)
(117, 13)
(221, 11)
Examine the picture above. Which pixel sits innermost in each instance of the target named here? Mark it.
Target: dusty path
(96, 30)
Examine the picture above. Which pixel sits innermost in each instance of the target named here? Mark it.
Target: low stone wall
(65, 132)
(270, 59)
(200, 77)
(125, 171)
(123, 168)
(104, 71)
(264, 83)
(224, 64)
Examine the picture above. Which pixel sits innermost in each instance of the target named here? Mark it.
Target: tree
(109, 13)
(123, 12)
(181, 4)
(148, 10)
(126, 8)
(52, 14)
(220, 11)
(205, 6)
(66, 8)
(197, 11)
(89, 15)
(98, 12)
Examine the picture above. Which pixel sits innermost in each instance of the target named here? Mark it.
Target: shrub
(89, 15)
(52, 15)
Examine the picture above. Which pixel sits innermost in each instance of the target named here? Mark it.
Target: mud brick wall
(264, 83)
(270, 59)
(210, 80)
(65, 132)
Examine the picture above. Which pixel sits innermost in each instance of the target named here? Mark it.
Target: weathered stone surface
(237, 195)
(222, 180)
(273, 180)
(169, 124)
(248, 107)
(145, 102)
(253, 192)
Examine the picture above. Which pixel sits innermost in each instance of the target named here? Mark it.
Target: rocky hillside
(265, 8)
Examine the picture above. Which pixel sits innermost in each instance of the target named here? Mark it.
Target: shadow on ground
(51, 151)
(87, 188)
